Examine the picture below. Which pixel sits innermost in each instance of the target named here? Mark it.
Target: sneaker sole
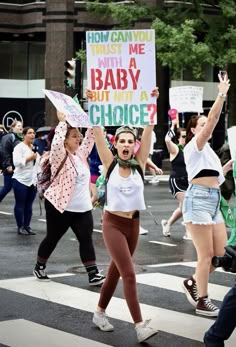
(187, 238)
(41, 279)
(148, 337)
(207, 313)
(190, 299)
(166, 234)
(163, 232)
(101, 328)
(98, 282)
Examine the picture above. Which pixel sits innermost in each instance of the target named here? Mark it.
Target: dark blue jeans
(7, 186)
(225, 322)
(24, 198)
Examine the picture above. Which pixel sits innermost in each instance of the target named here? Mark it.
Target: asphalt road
(59, 313)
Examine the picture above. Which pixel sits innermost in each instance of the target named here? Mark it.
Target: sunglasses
(183, 136)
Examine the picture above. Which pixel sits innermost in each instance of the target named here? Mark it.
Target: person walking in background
(201, 207)
(178, 180)
(68, 200)
(227, 188)
(94, 163)
(9, 141)
(24, 181)
(40, 143)
(2, 133)
(125, 198)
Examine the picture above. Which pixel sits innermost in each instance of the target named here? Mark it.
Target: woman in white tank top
(121, 221)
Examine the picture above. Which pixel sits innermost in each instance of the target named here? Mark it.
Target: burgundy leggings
(121, 236)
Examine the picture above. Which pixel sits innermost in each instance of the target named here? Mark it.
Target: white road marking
(180, 324)
(163, 243)
(23, 333)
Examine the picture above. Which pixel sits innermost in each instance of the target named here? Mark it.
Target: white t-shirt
(153, 141)
(125, 193)
(205, 159)
(25, 173)
(81, 198)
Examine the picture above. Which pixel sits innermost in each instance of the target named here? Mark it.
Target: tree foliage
(190, 34)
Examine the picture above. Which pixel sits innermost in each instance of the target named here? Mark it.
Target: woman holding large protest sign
(201, 207)
(124, 200)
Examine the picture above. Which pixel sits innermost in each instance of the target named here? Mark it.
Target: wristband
(222, 95)
(171, 133)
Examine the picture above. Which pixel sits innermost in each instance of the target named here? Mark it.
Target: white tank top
(125, 193)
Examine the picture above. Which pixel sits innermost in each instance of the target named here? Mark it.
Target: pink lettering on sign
(119, 79)
(137, 48)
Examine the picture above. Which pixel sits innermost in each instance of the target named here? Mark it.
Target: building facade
(37, 37)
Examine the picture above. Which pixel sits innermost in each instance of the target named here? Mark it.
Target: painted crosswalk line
(166, 320)
(216, 292)
(30, 334)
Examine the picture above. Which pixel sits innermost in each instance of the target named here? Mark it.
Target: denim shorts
(202, 205)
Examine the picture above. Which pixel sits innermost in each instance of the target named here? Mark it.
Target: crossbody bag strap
(60, 166)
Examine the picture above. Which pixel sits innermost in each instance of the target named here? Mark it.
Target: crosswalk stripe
(170, 282)
(164, 243)
(173, 322)
(28, 334)
(6, 213)
(192, 264)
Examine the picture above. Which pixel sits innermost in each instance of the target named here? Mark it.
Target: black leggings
(58, 223)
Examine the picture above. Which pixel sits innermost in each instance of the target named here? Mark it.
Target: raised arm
(145, 144)
(58, 151)
(87, 144)
(171, 146)
(214, 115)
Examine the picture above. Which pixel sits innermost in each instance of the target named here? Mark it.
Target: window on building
(36, 61)
(22, 60)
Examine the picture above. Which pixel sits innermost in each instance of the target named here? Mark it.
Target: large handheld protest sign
(186, 98)
(74, 113)
(121, 73)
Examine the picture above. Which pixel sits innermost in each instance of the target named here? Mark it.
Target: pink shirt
(60, 191)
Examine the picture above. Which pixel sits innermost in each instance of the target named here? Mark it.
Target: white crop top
(125, 193)
(197, 160)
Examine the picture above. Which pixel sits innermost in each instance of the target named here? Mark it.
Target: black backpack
(102, 190)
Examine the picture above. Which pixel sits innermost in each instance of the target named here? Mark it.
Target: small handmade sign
(74, 113)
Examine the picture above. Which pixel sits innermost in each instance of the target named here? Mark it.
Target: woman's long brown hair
(192, 123)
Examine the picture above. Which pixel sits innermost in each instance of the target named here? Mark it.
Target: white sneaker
(101, 321)
(187, 237)
(145, 331)
(165, 227)
(142, 231)
(154, 180)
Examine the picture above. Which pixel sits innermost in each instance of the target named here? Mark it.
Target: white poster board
(232, 141)
(74, 113)
(186, 98)
(121, 72)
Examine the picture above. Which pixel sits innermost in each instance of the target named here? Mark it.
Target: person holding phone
(201, 207)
